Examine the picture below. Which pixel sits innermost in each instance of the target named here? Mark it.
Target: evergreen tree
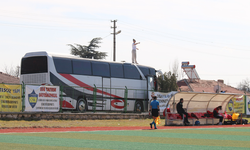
(167, 82)
(88, 51)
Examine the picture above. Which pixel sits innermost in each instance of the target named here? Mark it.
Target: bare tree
(175, 69)
(13, 71)
(244, 85)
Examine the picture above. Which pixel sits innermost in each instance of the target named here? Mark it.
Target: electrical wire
(142, 29)
(167, 35)
(184, 48)
(106, 36)
(50, 15)
(225, 74)
(130, 26)
(48, 27)
(128, 33)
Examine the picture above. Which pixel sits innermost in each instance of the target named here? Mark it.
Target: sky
(213, 35)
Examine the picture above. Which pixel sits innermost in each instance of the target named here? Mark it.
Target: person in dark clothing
(217, 115)
(181, 111)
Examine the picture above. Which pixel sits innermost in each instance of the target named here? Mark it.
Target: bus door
(106, 93)
(69, 98)
(150, 88)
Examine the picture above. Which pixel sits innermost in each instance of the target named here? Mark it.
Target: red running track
(68, 129)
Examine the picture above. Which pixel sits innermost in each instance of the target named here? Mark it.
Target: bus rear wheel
(138, 107)
(82, 105)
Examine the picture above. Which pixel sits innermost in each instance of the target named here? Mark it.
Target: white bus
(77, 77)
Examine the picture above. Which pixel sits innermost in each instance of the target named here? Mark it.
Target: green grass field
(176, 139)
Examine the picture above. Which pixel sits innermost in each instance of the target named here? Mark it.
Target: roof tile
(5, 78)
(206, 86)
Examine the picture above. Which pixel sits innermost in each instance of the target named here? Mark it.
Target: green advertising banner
(247, 105)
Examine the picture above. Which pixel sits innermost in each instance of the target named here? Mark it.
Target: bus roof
(44, 53)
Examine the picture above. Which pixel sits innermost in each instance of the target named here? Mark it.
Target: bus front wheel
(82, 105)
(138, 107)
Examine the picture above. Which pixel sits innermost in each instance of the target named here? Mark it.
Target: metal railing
(91, 99)
(106, 99)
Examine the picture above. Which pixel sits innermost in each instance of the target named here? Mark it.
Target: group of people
(182, 112)
(155, 111)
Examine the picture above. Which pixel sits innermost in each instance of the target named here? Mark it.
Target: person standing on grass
(134, 51)
(154, 108)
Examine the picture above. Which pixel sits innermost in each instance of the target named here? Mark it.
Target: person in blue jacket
(154, 108)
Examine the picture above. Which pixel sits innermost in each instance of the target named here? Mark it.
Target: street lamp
(118, 32)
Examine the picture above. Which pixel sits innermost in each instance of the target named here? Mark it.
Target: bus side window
(144, 70)
(131, 72)
(63, 65)
(152, 71)
(82, 67)
(116, 70)
(101, 69)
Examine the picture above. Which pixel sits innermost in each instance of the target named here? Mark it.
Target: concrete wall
(70, 116)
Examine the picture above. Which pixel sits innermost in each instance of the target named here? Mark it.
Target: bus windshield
(36, 64)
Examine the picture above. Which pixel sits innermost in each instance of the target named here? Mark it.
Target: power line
(190, 40)
(66, 22)
(184, 48)
(225, 74)
(57, 16)
(106, 36)
(162, 32)
(43, 27)
(142, 29)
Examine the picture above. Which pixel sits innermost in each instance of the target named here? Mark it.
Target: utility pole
(114, 33)
(114, 27)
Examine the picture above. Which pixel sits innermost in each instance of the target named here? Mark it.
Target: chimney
(221, 81)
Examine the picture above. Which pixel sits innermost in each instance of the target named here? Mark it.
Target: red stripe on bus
(84, 85)
(66, 104)
(88, 87)
(117, 101)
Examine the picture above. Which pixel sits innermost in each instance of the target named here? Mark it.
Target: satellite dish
(217, 89)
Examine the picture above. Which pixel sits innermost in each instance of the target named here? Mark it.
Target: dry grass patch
(77, 123)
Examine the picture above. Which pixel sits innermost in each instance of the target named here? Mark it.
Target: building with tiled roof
(206, 86)
(5, 78)
(195, 84)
